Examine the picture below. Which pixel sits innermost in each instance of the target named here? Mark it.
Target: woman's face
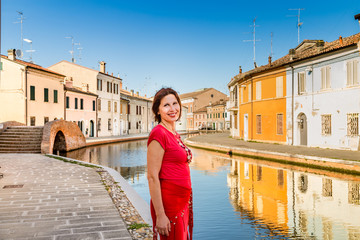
(169, 108)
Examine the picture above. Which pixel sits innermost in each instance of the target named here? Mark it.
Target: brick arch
(61, 135)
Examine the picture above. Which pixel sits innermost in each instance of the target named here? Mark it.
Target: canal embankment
(343, 161)
(62, 198)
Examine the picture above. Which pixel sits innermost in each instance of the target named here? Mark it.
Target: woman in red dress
(168, 171)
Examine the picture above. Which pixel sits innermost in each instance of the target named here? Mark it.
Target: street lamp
(31, 50)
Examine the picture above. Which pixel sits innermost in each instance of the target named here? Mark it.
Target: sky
(186, 45)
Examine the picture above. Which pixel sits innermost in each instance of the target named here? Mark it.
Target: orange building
(262, 104)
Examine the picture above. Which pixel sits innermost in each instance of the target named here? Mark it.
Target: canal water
(243, 198)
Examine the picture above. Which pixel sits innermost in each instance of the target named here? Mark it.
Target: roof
(129, 94)
(194, 94)
(32, 65)
(218, 103)
(203, 109)
(74, 89)
(301, 53)
(65, 61)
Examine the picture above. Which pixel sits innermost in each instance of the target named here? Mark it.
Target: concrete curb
(138, 202)
(346, 166)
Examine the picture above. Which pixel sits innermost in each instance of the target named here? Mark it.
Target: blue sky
(184, 44)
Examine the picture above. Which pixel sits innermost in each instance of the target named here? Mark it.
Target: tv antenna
(21, 24)
(271, 46)
(254, 39)
(299, 24)
(80, 52)
(31, 49)
(72, 48)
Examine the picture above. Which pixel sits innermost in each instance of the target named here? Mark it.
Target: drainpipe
(96, 118)
(26, 98)
(252, 108)
(292, 105)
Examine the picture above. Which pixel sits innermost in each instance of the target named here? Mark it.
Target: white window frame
(326, 124)
(301, 83)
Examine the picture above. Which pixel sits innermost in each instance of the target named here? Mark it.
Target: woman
(168, 171)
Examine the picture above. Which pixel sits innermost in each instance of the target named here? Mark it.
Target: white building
(323, 94)
(106, 86)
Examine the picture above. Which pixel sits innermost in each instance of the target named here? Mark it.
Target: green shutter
(67, 102)
(32, 92)
(76, 103)
(55, 96)
(46, 95)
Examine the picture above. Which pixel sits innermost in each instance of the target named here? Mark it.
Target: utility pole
(21, 24)
(298, 16)
(253, 40)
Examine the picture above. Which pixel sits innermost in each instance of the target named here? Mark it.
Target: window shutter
(322, 78)
(348, 73)
(328, 77)
(355, 76)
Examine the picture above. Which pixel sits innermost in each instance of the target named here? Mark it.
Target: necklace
(173, 132)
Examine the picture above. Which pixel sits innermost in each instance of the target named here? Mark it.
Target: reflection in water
(242, 198)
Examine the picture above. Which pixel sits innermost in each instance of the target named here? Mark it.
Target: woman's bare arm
(155, 154)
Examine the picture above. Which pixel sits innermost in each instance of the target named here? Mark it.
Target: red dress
(175, 184)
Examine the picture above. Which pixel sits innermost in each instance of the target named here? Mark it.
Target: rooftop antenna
(271, 48)
(254, 39)
(21, 24)
(31, 49)
(72, 49)
(80, 51)
(298, 16)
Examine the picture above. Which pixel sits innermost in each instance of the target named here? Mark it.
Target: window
(327, 187)
(128, 109)
(109, 124)
(279, 87)
(279, 124)
(32, 121)
(46, 95)
(258, 124)
(137, 125)
(326, 124)
(352, 73)
(81, 103)
(99, 85)
(99, 124)
(76, 103)
(109, 106)
(258, 90)
(352, 124)
(249, 93)
(67, 102)
(46, 120)
(107, 86)
(129, 125)
(241, 95)
(137, 110)
(32, 92)
(325, 78)
(94, 104)
(110, 85)
(55, 96)
(115, 106)
(190, 108)
(99, 105)
(301, 83)
(1, 66)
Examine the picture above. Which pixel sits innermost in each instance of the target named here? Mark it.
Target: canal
(243, 198)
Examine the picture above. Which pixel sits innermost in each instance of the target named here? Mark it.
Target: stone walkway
(223, 139)
(55, 200)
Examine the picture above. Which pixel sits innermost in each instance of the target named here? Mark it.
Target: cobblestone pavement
(55, 200)
(224, 140)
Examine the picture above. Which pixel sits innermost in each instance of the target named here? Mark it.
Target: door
(303, 129)
(246, 127)
(91, 128)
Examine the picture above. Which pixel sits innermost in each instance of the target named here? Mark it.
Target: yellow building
(262, 104)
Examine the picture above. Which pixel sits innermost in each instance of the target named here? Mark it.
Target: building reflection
(296, 204)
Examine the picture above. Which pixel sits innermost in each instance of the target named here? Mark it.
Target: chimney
(68, 82)
(340, 40)
(102, 66)
(137, 94)
(292, 54)
(320, 44)
(112, 74)
(85, 87)
(221, 101)
(269, 59)
(145, 95)
(132, 92)
(120, 84)
(255, 65)
(11, 54)
(240, 70)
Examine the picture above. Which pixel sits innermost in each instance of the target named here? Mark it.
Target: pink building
(80, 105)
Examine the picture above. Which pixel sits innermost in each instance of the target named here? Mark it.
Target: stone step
(21, 140)
(23, 148)
(20, 151)
(25, 127)
(20, 145)
(21, 133)
(37, 136)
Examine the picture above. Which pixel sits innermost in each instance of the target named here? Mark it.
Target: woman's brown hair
(157, 99)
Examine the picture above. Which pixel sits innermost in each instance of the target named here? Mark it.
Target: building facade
(29, 93)
(106, 86)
